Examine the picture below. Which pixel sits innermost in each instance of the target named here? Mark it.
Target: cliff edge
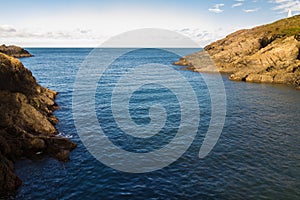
(27, 125)
(264, 54)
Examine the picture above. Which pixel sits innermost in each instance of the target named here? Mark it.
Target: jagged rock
(9, 181)
(37, 143)
(63, 155)
(14, 51)
(264, 54)
(182, 62)
(26, 121)
(256, 78)
(14, 77)
(284, 78)
(266, 79)
(198, 62)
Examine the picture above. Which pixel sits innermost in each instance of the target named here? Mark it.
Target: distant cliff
(27, 125)
(264, 54)
(14, 51)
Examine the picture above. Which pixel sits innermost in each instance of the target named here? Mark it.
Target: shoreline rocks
(14, 51)
(264, 54)
(27, 123)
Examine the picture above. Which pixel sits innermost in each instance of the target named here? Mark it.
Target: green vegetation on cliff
(284, 27)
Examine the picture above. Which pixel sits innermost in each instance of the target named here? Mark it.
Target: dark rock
(14, 77)
(37, 143)
(297, 37)
(14, 51)
(62, 155)
(26, 121)
(9, 181)
(4, 147)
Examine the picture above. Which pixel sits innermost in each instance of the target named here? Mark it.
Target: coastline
(264, 54)
(27, 123)
(250, 106)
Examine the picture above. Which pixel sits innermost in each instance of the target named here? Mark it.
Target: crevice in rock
(270, 68)
(244, 78)
(298, 57)
(296, 68)
(265, 41)
(297, 37)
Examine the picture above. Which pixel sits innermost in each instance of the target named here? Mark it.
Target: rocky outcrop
(264, 54)
(14, 51)
(27, 125)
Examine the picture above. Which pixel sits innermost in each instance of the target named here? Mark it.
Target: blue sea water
(256, 157)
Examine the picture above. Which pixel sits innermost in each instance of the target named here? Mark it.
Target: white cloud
(285, 5)
(31, 37)
(236, 5)
(91, 28)
(251, 10)
(216, 8)
(204, 37)
(7, 29)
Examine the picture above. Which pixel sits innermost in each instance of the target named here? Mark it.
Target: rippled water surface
(256, 157)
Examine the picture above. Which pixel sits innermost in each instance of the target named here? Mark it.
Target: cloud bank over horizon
(89, 23)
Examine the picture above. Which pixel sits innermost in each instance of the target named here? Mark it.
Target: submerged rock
(264, 54)
(27, 125)
(14, 51)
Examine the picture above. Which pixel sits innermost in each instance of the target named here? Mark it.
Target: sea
(255, 155)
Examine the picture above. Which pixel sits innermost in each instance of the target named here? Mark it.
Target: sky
(88, 23)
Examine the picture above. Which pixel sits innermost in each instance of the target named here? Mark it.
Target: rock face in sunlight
(27, 125)
(264, 54)
(14, 51)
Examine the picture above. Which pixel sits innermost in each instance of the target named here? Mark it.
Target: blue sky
(88, 23)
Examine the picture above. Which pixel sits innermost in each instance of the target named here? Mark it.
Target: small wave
(65, 135)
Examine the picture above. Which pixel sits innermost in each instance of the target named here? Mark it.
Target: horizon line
(128, 47)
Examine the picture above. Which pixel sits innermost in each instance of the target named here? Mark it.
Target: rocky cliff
(14, 51)
(27, 125)
(264, 54)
